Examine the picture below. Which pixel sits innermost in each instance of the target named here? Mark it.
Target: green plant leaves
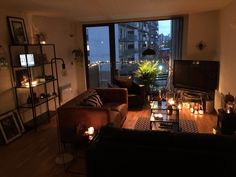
(147, 72)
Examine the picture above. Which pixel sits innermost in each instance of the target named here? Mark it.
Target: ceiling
(108, 10)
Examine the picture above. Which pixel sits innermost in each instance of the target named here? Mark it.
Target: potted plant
(146, 73)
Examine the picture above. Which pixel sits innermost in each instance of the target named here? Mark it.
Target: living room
(211, 22)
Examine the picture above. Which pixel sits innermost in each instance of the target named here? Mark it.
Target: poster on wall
(17, 30)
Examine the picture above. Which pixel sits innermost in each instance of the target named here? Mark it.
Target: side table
(226, 122)
(78, 151)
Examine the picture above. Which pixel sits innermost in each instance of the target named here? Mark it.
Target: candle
(171, 101)
(179, 106)
(90, 130)
(200, 111)
(191, 110)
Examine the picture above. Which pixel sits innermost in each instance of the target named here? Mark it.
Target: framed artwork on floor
(19, 120)
(9, 127)
(17, 30)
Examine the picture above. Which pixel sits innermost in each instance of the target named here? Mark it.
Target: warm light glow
(191, 110)
(179, 106)
(90, 130)
(214, 131)
(171, 101)
(201, 112)
(42, 42)
(33, 84)
(186, 105)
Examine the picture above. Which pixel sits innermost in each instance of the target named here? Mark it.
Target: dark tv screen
(196, 75)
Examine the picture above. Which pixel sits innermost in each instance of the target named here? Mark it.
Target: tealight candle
(201, 111)
(179, 106)
(90, 130)
(191, 110)
(171, 101)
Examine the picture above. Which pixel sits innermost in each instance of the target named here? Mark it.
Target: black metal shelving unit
(36, 85)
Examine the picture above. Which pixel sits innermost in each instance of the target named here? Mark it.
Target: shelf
(36, 65)
(41, 83)
(36, 73)
(41, 101)
(41, 119)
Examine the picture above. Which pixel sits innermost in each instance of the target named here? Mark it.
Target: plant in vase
(146, 73)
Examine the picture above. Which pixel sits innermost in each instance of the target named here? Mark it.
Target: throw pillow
(93, 100)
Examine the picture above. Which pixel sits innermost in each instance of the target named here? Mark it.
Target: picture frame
(22, 76)
(9, 127)
(19, 120)
(17, 30)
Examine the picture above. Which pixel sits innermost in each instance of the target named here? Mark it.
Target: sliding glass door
(117, 48)
(98, 56)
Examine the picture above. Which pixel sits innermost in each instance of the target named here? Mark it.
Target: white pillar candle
(90, 130)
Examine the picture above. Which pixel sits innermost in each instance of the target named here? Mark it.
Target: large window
(128, 41)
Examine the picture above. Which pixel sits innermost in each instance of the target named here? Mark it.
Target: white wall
(63, 33)
(202, 27)
(228, 49)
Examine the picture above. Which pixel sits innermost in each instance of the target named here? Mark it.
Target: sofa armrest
(72, 118)
(111, 95)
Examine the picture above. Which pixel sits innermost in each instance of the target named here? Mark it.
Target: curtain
(176, 47)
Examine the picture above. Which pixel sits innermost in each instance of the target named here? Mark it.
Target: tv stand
(204, 98)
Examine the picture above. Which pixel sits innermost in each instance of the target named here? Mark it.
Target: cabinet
(226, 122)
(35, 81)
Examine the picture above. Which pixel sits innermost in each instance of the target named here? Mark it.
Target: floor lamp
(62, 158)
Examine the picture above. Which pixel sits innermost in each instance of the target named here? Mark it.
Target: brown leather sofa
(74, 118)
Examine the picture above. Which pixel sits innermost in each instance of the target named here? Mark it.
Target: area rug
(189, 126)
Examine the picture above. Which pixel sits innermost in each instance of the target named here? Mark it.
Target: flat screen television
(196, 75)
(30, 59)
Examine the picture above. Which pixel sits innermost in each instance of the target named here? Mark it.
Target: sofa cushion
(121, 108)
(93, 100)
(83, 96)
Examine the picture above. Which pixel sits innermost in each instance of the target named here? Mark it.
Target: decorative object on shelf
(17, 30)
(201, 45)
(41, 38)
(229, 103)
(34, 99)
(78, 55)
(9, 127)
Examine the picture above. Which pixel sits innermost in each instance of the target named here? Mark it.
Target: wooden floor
(34, 154)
